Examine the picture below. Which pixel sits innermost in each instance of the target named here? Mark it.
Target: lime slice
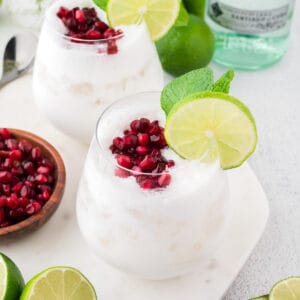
(11, 280)
(159, 16)
(287, 289)
(59, 283)
(208, 126)
(261, 298)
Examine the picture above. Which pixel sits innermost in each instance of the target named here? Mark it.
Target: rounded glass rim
(110, 157)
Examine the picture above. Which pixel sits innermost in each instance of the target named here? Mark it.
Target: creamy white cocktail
(155, 224)
(76, 77)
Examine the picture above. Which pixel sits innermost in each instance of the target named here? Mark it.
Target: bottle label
(248, 21)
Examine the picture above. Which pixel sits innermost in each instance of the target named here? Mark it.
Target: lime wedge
(11, 280)
(261, 298)
(159, 16)
(287, 289)
(208, 126)
(59, 283)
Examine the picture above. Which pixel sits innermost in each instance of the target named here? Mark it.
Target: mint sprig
(199, 80)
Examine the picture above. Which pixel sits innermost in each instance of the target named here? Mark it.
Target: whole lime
(196, 7)
(186, 48)
(11, 279)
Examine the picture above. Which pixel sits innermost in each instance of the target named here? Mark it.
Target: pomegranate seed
(17, 171)
(12, 144)
(63, 11)
(118, 143)
(15, 154)
(33, 208)
(171, 163)
(5, 133)
(25, 146)
(142, 150)
(148, 163)
(147, 184)
(93, 35)
(134, 126)
(110, 32)
(5, 177)
(122, 173)
(164, 180)
(17, 187)
(12, 201)
(41, 178)
(29, 167)
(8, 163)
(143, 125)
(6, 189)
(25, 191)
(43, 170)
(136, 171)
(46, 195)
(23, 202)
(2, 201)
(112, 47)
(143, 139)
(101, 26)
(79, 16)
(124, 161)
(36, 153)
(47, 163)
(130, 141)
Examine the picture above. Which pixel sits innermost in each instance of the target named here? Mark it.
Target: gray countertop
(274, 97)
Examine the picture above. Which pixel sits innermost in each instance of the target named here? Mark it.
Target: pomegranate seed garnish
(93, 35)
(142, 150)
(164, 180)
(124, 161)
(122, 173)
(79, 16)
(130, 141)
(171, 163)
(147, 184)
(118, 143)
(101, 26)
(143, 139)
(143, 125)
(134, 126)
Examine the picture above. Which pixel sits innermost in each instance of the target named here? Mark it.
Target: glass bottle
(250, 34)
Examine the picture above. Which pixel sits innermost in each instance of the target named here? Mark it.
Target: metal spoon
(12, 66)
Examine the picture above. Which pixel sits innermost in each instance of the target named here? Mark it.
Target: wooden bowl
(36, 221)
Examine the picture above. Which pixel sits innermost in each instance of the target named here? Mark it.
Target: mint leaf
(223, 84)
(185, 85)
(183, 17)
(101, 3)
